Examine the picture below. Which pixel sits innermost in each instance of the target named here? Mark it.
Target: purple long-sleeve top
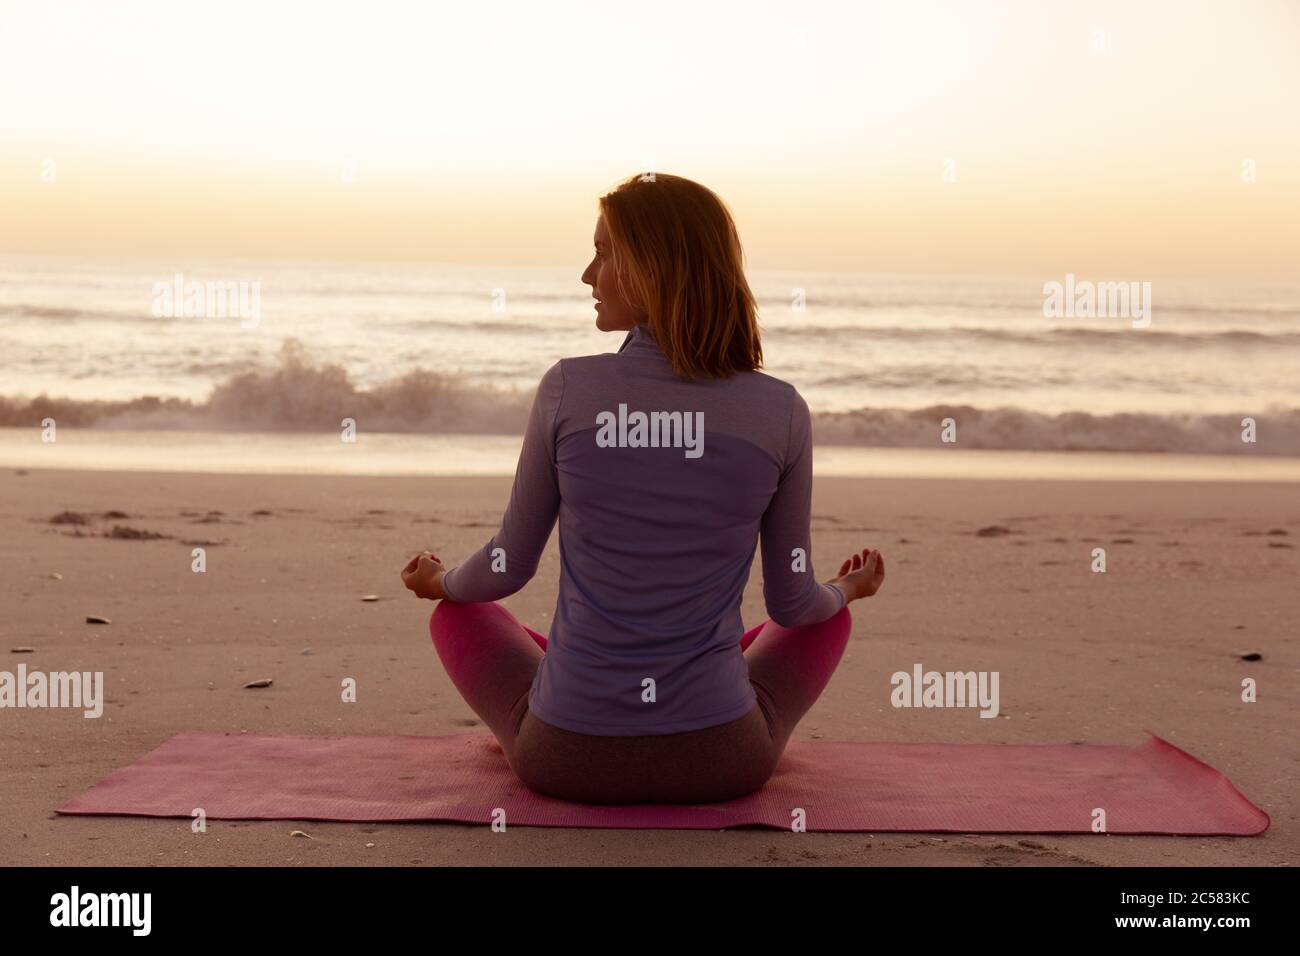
(659, 518)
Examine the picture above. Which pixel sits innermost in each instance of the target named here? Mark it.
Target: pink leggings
(492, 658)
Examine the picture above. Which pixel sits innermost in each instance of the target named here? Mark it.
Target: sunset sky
(1098, 138)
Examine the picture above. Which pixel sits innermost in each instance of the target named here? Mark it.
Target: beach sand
(1198, 573)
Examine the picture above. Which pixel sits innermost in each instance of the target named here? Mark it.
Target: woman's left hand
(423, 576)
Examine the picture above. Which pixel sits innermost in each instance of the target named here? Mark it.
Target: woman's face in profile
(612, 312)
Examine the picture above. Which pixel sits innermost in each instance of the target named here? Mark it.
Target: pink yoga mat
(841, 786)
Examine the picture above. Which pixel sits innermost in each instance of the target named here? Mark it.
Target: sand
(1194, 580)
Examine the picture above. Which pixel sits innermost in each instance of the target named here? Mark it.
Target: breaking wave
(1277, 430)
(299, 396)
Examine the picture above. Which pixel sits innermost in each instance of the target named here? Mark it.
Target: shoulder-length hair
(678, 257)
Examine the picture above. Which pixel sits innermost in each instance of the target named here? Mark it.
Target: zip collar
(640, 340)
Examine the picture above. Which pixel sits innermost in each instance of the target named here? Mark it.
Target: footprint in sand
(124, 533)
(70, 517)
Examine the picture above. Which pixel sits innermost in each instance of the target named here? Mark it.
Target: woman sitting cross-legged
(666, 463)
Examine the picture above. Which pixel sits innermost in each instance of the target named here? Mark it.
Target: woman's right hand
(861, 575)
(423, 576)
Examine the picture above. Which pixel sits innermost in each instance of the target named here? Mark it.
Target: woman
(665, 463)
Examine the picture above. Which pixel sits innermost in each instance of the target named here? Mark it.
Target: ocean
(449, 354)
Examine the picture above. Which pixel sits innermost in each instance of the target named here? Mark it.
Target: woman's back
(662, 486)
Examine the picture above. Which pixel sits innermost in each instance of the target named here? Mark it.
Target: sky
(1126, 140)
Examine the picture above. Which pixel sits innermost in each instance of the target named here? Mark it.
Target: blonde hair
(677, 256)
